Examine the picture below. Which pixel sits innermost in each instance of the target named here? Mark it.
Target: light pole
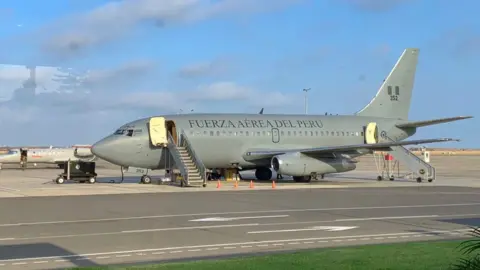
(306, 104)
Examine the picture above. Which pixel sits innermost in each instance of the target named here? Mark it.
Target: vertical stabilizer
(394, 96)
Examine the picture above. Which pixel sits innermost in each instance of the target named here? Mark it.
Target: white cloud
(213, 68)
(115, 19)
(220, 91)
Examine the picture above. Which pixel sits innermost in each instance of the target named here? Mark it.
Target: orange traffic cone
(219, 184)
(273, 184)
(235, 185)
(251, 183)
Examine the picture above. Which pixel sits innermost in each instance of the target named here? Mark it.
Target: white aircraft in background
(52, 155)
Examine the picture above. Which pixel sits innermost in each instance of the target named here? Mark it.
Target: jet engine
(298, 164)
(83, 152)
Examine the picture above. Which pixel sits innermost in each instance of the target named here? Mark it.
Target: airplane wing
(425, 123)
(383, 146)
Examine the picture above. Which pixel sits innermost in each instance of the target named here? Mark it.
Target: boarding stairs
(419, 169)
(186, 160)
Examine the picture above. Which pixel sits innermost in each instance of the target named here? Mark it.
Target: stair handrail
(431, 169)
(196, 160)
(172, 147)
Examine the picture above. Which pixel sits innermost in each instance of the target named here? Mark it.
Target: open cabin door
(158, 131)
(371, 133)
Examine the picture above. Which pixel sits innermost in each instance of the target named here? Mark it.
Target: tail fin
(394, 96)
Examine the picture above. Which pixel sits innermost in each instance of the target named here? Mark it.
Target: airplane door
(158, 131)
(275, 135)
(371, 133)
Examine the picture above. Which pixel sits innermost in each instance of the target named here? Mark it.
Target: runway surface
(59, 232)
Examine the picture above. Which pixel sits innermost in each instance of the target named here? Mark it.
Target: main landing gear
(145, 179)
(307, 178)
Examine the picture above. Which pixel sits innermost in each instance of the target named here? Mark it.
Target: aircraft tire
(302, 179)
(146, 179)
(419, 179)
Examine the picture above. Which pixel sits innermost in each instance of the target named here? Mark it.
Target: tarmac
(44, 228)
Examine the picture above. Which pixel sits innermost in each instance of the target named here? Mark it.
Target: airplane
(51, 155)
(301, 146)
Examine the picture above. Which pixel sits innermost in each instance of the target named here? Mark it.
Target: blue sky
(136, 58)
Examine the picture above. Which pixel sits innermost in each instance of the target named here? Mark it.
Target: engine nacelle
(298, 164)
(83, 152)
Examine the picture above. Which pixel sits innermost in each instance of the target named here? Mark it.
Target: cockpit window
(119, 132)
(130, 132)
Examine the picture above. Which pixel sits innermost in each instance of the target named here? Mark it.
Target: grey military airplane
(301, 146)
(51, 155)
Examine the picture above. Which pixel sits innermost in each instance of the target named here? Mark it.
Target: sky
(100, 64)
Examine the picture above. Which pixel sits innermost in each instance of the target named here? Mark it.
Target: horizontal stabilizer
(425, 123)
(383, 146)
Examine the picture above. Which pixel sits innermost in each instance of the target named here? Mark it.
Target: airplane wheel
(92, 180)
(146, 179)
(392, 178)
(419, 179)
(430, 180)
(379, 178)
(60, 180)
(204, 185)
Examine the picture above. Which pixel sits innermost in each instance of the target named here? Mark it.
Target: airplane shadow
(41, 251)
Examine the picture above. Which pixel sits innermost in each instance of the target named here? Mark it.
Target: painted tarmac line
(236, 213)
(232, 226)
(216, 219)
(227, 246)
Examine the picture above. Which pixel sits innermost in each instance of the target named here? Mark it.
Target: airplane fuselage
(45, 155)
(221, 140)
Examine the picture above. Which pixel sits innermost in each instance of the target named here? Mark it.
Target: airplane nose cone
(115, 150)
(100, 149)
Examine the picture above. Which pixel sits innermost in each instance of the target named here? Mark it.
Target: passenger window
(289, 133)
(211, 133)
(397, 90)
(389, 90)
(130, 132)
(218, 132)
